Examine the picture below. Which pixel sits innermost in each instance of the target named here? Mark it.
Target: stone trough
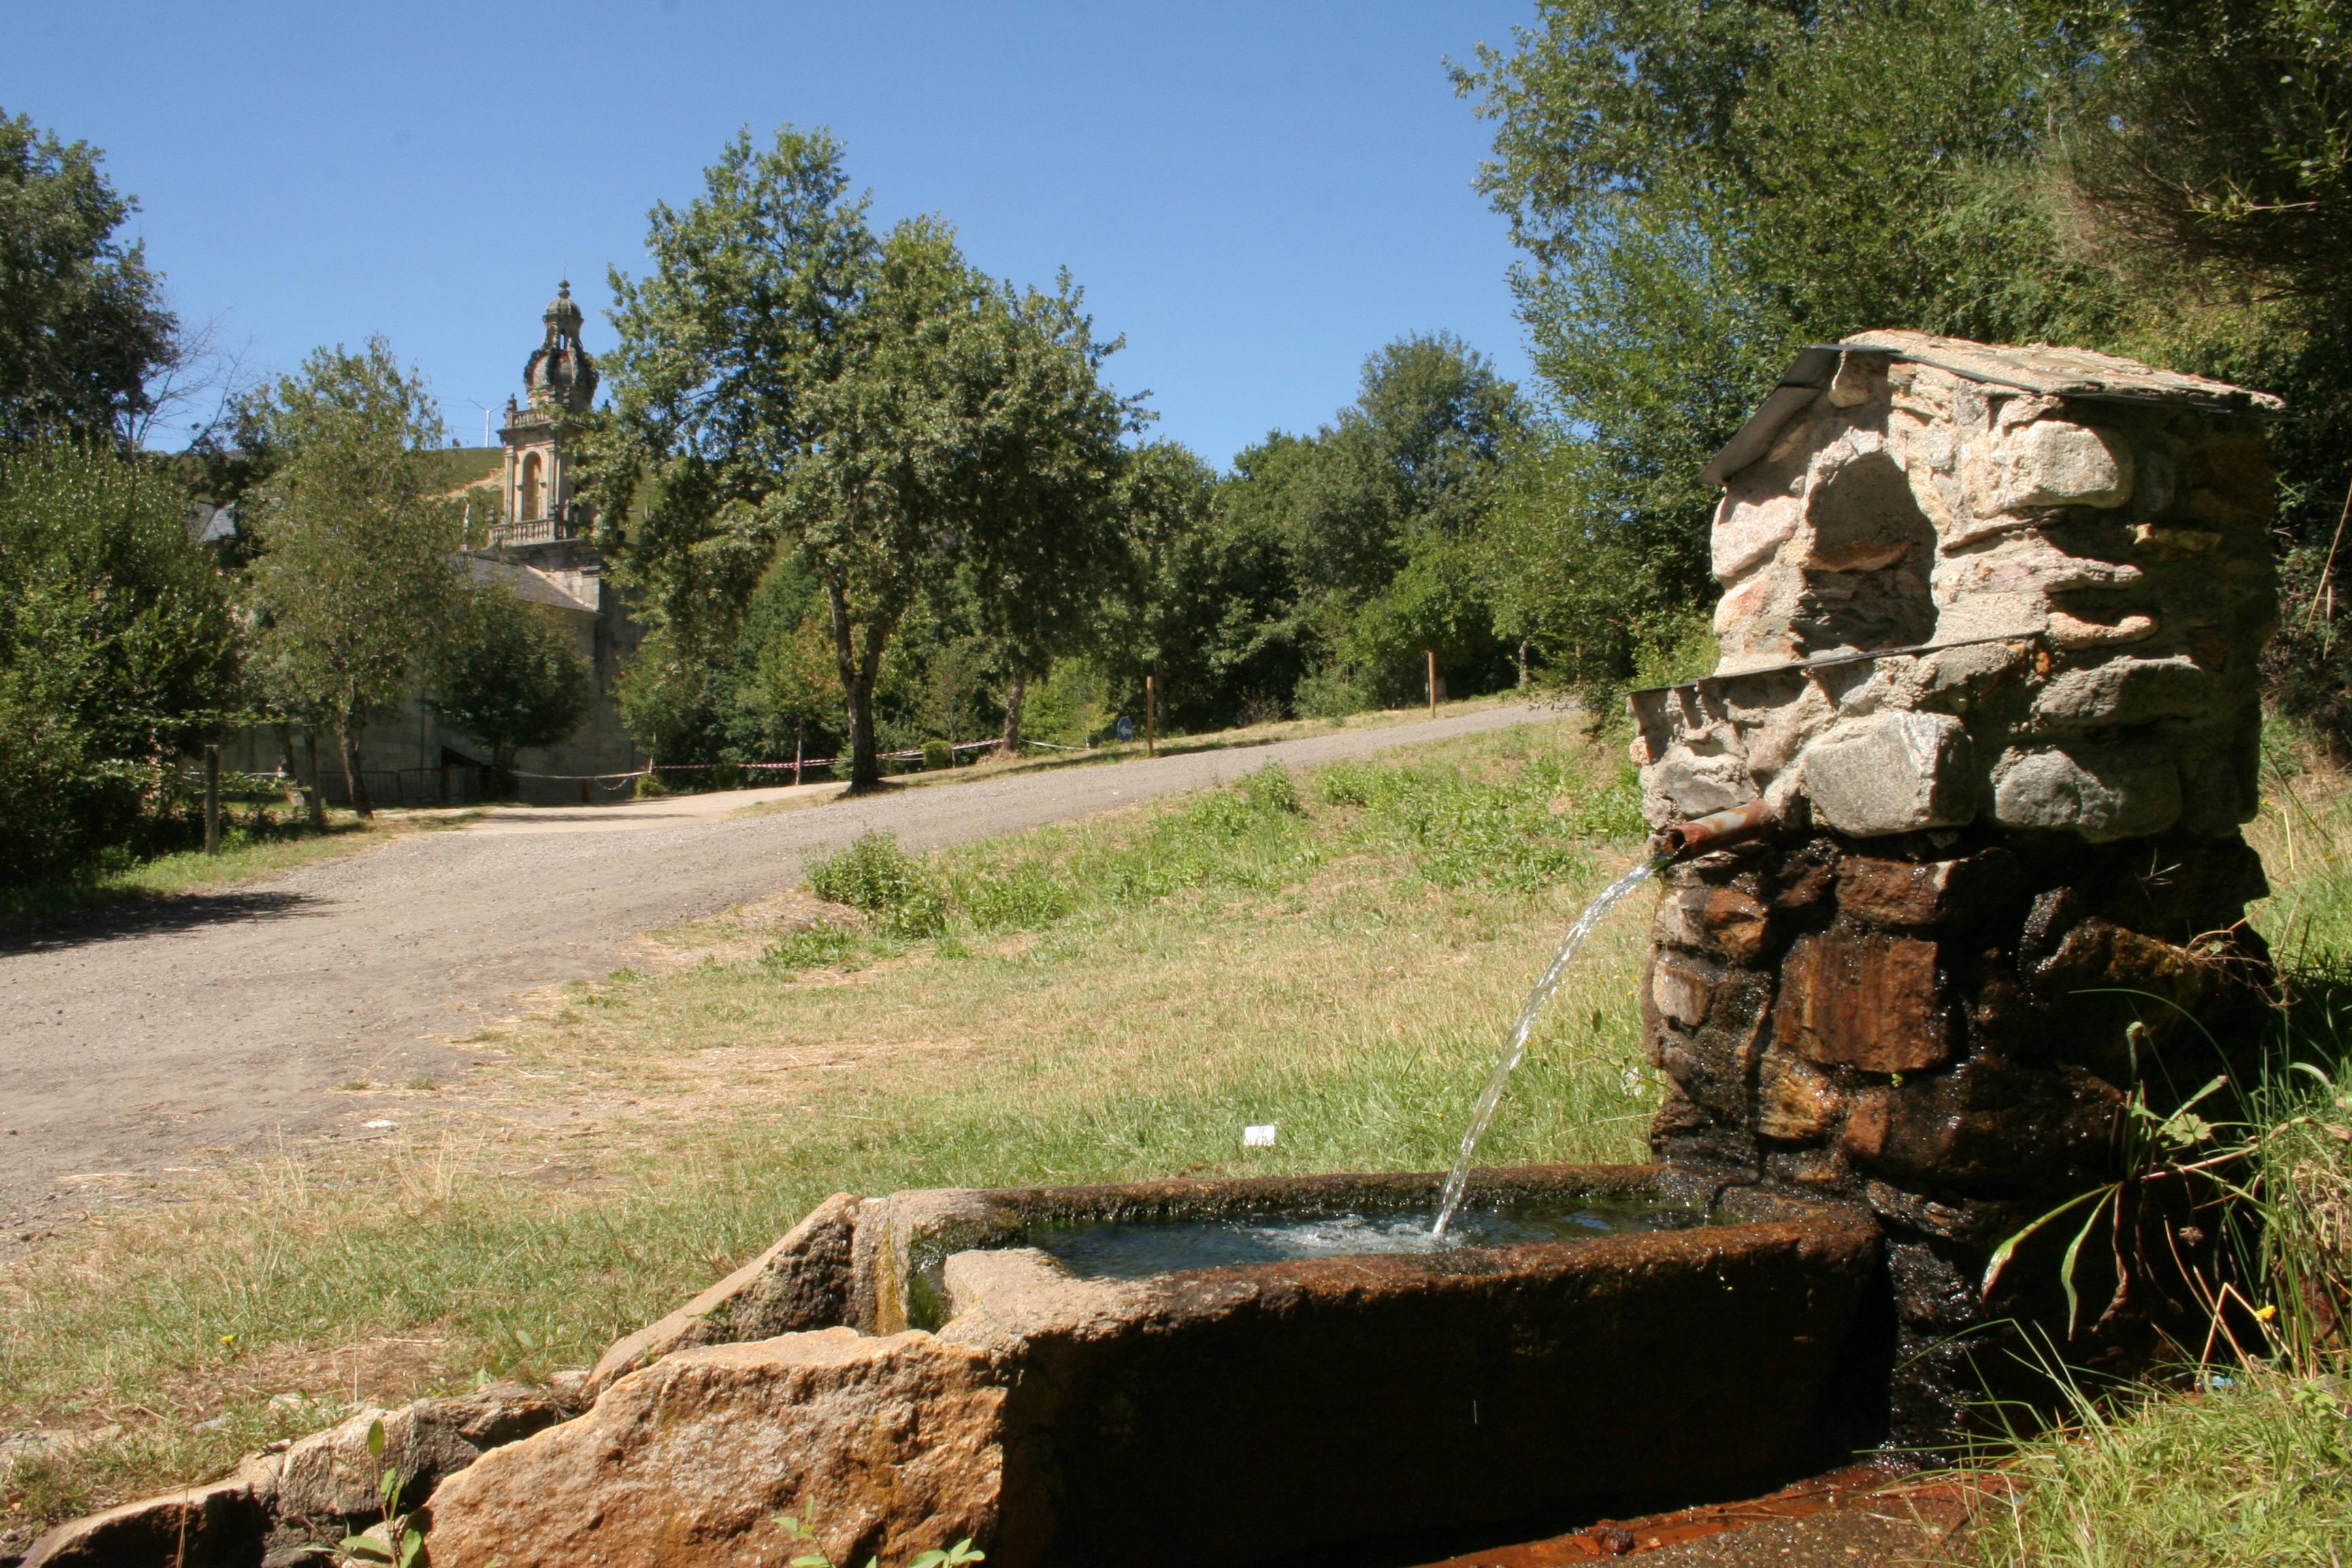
(1370, 1407)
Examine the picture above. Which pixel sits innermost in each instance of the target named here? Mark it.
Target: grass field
(1334, 952)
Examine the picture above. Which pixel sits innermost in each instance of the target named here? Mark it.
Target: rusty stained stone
(2098, 954)
(1806, 877)
(1926, 892)
(1715, 1063)
(1681, 989)
(1989, 1123)
(1872, 1002)
(1796, 1102)
(1895, 892)
(1722, 921)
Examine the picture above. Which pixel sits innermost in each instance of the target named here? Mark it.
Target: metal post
(1433, 683)
(1151, 716)
(212, 800)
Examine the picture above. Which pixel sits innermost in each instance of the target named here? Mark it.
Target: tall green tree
(1699, 189)
(1206, 602)
(789, 382)
(83, 329)
(353, 594)
(508, 678)
(118, 652)
(2212, 171)
(1048, 476)
(1382, 511)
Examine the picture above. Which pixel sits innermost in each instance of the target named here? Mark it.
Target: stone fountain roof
(2042, 369)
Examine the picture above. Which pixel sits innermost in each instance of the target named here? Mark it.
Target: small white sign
(1258, 1137)
(377, 1125)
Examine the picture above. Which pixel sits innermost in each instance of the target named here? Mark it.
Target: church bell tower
(559, 386)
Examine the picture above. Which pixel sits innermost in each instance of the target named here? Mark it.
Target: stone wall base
(1948, 1029)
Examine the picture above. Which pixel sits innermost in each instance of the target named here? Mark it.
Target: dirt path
(144, 1042)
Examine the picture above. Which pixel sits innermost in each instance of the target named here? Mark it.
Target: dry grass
(1111, 1000)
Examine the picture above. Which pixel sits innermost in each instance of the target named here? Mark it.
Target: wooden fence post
(212, 800)
(1433, 683)
(1151, 716)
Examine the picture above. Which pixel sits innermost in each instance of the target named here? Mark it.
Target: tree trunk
(1010, 746)
(314, 799)
(859, 666)
(354, 782)
(289, 770)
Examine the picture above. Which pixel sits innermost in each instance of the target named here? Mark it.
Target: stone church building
(528, 533)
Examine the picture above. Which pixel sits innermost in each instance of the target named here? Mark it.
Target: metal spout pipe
(1718, 831)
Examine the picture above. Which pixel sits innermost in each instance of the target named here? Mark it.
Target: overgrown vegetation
(2246, 1457)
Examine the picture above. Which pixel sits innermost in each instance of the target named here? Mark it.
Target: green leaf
(2008, 1250)
(364, 1549)
(375, 1439)
(2073, 1249)
(412, 1548)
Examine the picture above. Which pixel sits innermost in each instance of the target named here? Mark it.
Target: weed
(818, 945)
(876, 875)
(403, 1545)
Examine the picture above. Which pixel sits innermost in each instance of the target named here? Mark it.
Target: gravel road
(147, 1040)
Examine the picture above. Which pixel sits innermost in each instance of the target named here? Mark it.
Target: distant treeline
(866, 497)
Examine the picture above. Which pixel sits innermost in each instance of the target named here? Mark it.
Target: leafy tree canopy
(118, 651)
(509, 678)
(1702, 188)
(83, 328)
(353, 595)
(787, 380)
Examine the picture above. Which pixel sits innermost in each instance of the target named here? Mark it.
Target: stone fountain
(1962, 876)
(1989, 630)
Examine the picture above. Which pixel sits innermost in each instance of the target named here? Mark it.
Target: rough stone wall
(1944, 1029)
(2007, 889)
(2118, 552)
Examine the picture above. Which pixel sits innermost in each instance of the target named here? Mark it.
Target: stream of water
(1514, 1046)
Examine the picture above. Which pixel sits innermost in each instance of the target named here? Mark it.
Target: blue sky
(1257, 196)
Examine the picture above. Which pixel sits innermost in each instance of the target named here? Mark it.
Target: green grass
(1333, 950)
(2253, 1469)
(1109, 1000)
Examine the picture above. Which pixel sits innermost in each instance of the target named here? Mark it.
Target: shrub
(876, 875)
(117, 651)
(937, 754)
(1272, 788)
(1331, 693)
(1027, 895)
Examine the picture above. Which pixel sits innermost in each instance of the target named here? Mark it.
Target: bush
(117, 653)
(876, 875)
(1027, 895)
(1332, 693)
(1272, 788)
(937, 754)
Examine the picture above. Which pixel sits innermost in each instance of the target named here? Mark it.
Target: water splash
(1458, 1180)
